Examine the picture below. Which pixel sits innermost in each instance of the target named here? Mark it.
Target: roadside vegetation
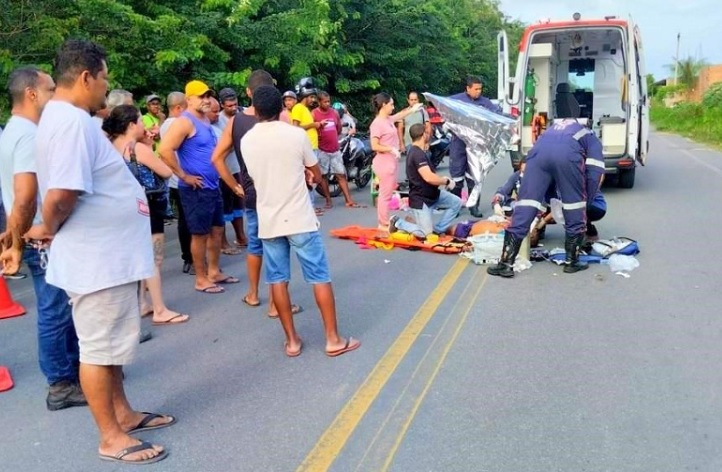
(352, 48)
(699, 121)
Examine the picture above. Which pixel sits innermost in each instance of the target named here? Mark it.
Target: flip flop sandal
(213, 290)
(171, 322)
(294, 353)
(295, 309)
(143, 425)
(143, 446)
(229, 251)
(228, 280)
(347, 348)
(245, 300)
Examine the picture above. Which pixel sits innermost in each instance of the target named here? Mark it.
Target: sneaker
(392, 224)
(145, 336)
(65, 394)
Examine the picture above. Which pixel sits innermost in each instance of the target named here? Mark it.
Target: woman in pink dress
(385, 142)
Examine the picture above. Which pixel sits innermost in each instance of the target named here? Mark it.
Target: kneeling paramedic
(570, 156)
(424, 193)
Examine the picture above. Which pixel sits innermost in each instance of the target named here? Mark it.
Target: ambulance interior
(580, 73)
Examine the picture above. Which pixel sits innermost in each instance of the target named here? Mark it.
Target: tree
(687, 71)
(354, 48)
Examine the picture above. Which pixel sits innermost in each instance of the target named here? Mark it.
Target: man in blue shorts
(286, 218)
(192, 138)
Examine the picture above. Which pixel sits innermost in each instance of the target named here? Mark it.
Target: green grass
(692, 120)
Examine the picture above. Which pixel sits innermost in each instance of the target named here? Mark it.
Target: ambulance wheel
(626, 178)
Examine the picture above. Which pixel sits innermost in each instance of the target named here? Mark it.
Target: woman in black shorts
(125, 130)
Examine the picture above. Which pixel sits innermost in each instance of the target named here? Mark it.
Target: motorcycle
(439, 144)
(357, 157)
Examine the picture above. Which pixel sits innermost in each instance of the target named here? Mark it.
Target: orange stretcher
(379, 239)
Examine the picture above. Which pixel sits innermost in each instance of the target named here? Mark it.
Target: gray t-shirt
(173, 180)
(419, 117)
(231, 160)
(17, 156)
(106, 240)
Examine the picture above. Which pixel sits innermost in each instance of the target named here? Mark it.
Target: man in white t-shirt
(96, 215)
(58, 356)
(286, 218)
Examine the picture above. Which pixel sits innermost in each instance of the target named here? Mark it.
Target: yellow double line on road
(330, 444)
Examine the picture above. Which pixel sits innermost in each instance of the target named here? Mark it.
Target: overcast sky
(698, 21)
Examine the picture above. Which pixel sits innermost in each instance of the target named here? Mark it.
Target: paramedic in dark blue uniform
(458, 163)
(570, 156)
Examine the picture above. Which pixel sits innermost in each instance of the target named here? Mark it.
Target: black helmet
(305, 87)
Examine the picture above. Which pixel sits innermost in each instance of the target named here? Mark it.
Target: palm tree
(687, 70)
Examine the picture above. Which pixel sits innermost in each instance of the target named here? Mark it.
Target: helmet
(305, 87)
(338, 106)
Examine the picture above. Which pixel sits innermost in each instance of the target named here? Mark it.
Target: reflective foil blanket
(486, 134)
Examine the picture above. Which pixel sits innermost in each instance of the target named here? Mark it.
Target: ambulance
(592, 70)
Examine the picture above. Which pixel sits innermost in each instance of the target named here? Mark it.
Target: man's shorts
(331, 162)
(108, 324)
(232, 203)
(309, 251)
(203, 209)
(255, 247)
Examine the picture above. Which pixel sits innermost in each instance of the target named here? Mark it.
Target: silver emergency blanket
(486, 134)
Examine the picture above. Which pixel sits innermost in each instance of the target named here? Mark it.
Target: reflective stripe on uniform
(594, 162)
(573, 206)
(531, 203)
(581, 133)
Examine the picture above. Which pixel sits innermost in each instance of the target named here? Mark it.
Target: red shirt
(328, 135)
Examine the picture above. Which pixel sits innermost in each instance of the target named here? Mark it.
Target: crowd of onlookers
(83, 170)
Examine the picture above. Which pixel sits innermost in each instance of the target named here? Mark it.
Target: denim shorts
(309, 251)
(203, 209)
(255, 247)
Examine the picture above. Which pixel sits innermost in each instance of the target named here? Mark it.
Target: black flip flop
(143, 425)
(143, 446)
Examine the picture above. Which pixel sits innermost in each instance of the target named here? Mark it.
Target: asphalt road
(457, 371)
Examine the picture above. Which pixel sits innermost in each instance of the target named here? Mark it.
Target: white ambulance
(588, 69)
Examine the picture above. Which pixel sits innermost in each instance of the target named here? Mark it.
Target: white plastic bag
(557, 210)
(622, 263)
(487, 248)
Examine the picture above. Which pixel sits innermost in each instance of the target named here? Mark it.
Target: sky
(699, 23)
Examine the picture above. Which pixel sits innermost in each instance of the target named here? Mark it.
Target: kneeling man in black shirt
(424, 193)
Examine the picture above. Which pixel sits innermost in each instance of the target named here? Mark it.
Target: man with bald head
(176, 103)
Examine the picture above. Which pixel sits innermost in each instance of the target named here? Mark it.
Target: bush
(694, 120)
(713, 96)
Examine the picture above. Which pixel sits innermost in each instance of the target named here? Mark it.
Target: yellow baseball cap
(196, 88)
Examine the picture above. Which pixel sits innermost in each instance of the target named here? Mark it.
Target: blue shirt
(195, 154)
(481, 101)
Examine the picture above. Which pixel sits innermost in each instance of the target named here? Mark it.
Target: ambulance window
(581, 74)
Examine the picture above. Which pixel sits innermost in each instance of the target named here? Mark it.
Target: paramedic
(570, 156)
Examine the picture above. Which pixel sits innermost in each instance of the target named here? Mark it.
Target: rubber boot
(505, 267)
(573, 245)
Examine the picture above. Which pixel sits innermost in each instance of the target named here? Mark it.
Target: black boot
(505, 267)
(573, 245)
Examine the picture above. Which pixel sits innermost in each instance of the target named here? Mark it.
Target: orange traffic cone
(6, 382)
(8, 306)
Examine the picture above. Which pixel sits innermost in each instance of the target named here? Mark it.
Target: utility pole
(676, 62)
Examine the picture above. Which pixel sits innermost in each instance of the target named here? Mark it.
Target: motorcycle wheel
(363, 179)
(334, 189)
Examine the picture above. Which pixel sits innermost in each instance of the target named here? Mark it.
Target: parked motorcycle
(439, 144)
(357, 157)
